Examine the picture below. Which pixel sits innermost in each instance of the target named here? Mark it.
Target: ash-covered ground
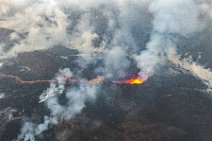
(53, 54)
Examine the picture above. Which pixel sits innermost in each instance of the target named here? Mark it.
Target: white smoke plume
(76, 102)
(196, 69)
(170, 19)
(76, 99)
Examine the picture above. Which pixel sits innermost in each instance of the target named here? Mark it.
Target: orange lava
(132, 81)
(135, 81)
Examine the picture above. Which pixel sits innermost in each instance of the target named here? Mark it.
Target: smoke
(76, 98)
(205, 7)
(57, 87)
(106, 26)
(93, 27)
(170, 19)
(119, 65)
(36, 25)
(196, 69)
(27, 132)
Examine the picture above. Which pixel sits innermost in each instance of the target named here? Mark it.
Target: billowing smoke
(170, 19)
(76, 98)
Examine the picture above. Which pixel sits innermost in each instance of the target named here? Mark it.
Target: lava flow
(132, 81)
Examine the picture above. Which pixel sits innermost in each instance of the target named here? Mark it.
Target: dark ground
(167, 107)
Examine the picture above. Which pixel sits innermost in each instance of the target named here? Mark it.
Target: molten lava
(137, 81)
(132, 81)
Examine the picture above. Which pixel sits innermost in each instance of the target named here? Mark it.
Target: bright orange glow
(133, 81)
(137, 81)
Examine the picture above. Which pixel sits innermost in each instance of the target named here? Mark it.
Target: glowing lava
(132, 81)
(137, 81)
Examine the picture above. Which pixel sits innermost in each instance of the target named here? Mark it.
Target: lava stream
(71, 80)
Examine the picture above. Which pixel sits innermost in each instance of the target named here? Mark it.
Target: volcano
(105, 70)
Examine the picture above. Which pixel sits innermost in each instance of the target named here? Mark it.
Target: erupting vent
(132, 81)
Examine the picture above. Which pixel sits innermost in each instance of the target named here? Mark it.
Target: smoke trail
(76, 98)
(171, 19)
